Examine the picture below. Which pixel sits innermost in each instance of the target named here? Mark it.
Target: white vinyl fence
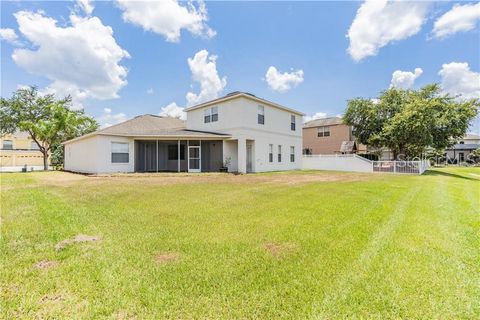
(337, 162)
(412, 167)
(354, 163)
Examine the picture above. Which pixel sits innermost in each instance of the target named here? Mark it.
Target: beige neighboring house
(18, 151)
(329, 136)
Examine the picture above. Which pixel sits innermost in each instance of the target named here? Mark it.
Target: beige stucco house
(18, 151)
(240, 131)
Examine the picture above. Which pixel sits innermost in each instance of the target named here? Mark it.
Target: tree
(409, 121)
(48, 121)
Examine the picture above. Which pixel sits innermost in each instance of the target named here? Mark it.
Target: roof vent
(238, 92)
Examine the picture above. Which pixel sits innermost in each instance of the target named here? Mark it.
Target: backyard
(301, 244)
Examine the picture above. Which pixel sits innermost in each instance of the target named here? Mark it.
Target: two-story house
(460, 152)
(239, 131)
(19, 151)
(329, 136)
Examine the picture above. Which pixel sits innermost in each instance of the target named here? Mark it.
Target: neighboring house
(240, 130)
(459, 152)
(329, 136)
(18, 151)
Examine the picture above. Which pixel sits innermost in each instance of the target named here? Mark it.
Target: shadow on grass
(448, 174)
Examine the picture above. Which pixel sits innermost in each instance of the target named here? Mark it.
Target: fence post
(394, 166)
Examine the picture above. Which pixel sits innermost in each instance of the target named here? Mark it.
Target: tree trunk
(45, 160)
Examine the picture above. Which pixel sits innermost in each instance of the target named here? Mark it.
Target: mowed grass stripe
(362, 245)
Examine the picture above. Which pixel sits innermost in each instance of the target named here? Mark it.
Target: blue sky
(305, 42)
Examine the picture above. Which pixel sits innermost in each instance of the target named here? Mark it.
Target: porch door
(194, 159)
(150, 156)
(249, 158)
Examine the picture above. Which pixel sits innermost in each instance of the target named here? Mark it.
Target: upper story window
(7, 145)
(323, 131)
(120, 152)
(270, 153)
(210, 115)
(279, 153)
(292, 122)
(34, 146)
(261, 115)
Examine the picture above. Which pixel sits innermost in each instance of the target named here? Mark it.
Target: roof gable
(249, 96)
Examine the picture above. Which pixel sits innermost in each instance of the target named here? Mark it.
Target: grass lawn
(279, 245)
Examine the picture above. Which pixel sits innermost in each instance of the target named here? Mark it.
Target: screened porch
(178, 155)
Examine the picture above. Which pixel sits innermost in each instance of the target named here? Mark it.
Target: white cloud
(9, 35)
(283, 82)
(459, 18)
(81, 59)
(167, 17)
(86, 6)
(107, 118)
(405, 79)
(318, 115)
(204, 71)
(379, 22)
(174, 111)
(458, 79)
(150, 91)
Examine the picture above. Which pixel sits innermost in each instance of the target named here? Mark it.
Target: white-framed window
(34, 146)
(270, 153)
(120, 152)
(292, 154)
(279, 153)
(292, 123)
(323, 132)
(210, 115)
(261, 115)
(214, 114)
(7, 145)
(207, 115)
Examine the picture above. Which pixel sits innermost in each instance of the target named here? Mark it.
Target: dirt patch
(122, 315)
(167, 257)
(278, 250)
(81, 238)
(52, 298)
(46, 264)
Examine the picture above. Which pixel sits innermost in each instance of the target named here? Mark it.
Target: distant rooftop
(331, 121)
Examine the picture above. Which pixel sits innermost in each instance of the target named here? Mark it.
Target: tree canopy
(409, 121)
(49, 121)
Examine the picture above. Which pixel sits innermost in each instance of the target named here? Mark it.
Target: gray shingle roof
(152, 126)
(466, 146)
(323, 122)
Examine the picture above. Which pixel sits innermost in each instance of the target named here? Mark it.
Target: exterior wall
(239, 118)
(230, 152)
(337, 163)
(93, 155)
(241, 114)
(260, 142)
(326, 145)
